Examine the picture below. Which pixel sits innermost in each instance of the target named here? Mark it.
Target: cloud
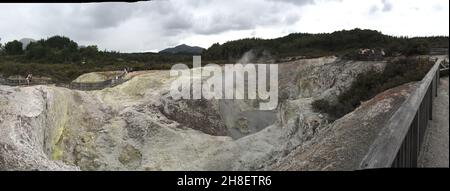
(437, 7)
(154, 25)
(296, 2)
(387, 6)
(373, 9)
(219, 16)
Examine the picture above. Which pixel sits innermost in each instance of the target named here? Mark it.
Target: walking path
(435, 148)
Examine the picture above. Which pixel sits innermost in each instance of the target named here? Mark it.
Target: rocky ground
(137, 126)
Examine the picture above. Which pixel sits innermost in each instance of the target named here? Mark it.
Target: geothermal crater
(137, 126)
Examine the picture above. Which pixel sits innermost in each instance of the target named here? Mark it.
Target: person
(125, 72)
(29, 77)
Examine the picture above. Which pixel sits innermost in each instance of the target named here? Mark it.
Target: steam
(248, 57)
(253, 56)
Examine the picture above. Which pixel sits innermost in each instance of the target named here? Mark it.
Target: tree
(89, 51)
(417, 47)
(13, 48)
(60, 42)
(36, 50)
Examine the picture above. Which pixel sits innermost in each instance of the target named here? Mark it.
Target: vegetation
(313, 45)
(13, 48)
(369, 84)
(62, 59)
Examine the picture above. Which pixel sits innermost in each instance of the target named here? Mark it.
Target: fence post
(430, 104)
(437, 80)
(416, 145)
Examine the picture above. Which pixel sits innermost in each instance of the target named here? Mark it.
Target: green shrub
(320, 105)
(371, 83)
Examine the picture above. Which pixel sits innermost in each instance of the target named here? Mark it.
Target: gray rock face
(342, 144)
(137, 126)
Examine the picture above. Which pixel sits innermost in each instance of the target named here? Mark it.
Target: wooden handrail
(73, 85)
(398, 143)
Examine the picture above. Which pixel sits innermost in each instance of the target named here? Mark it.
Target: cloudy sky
(155, 25)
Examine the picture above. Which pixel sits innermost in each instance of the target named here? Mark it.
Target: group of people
(124, 73)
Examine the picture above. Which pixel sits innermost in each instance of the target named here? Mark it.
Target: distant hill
(183, 49)
(26, 41)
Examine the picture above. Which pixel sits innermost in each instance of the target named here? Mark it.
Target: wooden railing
(398, 143)
(22, 82)
(438, 51)
(73, 85)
